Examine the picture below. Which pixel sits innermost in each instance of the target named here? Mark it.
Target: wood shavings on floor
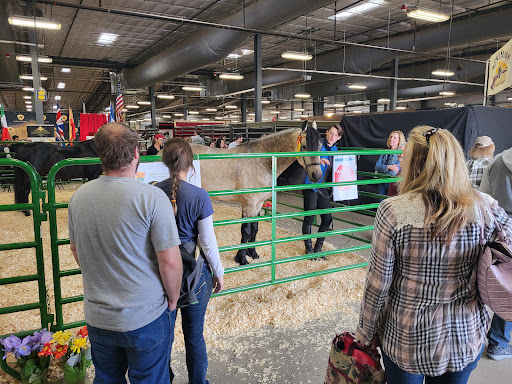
(281, 306)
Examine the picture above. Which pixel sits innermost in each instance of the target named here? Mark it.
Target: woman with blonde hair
(388, 164)
(481, 155)
(421, 302)
(193, 211)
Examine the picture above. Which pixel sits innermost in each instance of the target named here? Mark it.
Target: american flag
(60, 126)
(119, 103)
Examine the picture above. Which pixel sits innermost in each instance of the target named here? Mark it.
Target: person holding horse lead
(389, 164)
(319, 198)
(193, 210)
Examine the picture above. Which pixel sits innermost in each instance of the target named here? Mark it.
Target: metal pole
(185, 109)
(258, 79)
(36, 82)
(393, 89)
(153, 106)
(292, 107)
(486, 80)
(243, 107)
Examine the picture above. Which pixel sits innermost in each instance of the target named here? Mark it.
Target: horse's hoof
(26, 213)
(254, 255)
(242, 260)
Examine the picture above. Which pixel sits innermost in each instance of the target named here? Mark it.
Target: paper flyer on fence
(154, 172)
(344, 168)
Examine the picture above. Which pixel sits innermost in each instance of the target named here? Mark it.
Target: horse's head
(309, 140)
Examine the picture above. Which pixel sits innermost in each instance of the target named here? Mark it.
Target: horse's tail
(21, 186)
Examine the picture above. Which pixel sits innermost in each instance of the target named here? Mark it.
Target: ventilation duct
(210, 45)
(353, 59)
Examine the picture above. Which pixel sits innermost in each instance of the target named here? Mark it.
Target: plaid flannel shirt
(476, 170)
(420, 294)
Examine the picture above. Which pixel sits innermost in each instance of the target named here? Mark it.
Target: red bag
(351, 361)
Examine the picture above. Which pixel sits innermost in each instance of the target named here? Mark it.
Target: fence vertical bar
(274, 203)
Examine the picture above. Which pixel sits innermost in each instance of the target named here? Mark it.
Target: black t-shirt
(151, 151)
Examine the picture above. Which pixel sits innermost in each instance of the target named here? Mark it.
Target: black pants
(315, 200)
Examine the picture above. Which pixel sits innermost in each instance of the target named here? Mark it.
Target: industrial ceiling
(170, 44)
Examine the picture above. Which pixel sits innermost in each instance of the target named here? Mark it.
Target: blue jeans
(144, 352)
(396, 375)
(499, 333)
(192, 323)
(383, 189)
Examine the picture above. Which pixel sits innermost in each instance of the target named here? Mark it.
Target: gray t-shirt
(118, 224)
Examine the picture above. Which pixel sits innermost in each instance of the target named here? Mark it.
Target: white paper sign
(344, 168)
(500, 77)
(157, 171)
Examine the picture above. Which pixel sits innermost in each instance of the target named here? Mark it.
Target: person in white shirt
(197, 139)
(238, 140)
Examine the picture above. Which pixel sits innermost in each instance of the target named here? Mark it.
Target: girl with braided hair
(193, 211)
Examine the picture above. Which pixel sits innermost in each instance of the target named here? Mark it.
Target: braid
(175, 186)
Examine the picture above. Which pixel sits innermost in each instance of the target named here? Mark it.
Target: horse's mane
(312, 139)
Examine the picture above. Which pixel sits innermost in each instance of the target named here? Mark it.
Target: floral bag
(352, 362)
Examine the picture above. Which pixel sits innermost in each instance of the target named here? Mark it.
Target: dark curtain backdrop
(90, 123)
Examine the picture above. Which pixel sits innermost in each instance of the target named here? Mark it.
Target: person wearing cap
(481, 154)
(158, 143)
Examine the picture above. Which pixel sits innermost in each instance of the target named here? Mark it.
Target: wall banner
(499, 77)
(344, 168)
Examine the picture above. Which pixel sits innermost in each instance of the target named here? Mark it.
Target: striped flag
(111, 116)
(5, 130)
(72, 128)
(60, 126)
(119, 103)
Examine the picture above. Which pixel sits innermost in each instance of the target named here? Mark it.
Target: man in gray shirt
(124, 237)
(497, 182)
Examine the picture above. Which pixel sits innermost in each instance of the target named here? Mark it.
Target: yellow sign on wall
(41, 94)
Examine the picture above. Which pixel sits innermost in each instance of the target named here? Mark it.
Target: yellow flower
(78, 344)
(61, 337)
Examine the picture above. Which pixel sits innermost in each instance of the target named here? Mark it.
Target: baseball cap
(159, 136)
(483, 141)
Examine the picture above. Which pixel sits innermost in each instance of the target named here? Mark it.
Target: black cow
(43, 156)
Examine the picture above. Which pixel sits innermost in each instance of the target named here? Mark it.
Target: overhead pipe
(209, 45)
(491, 25)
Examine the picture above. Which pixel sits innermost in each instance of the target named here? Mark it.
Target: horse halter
(299, 149)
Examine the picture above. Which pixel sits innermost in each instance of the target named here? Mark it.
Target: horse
(257, 172)
(43, 156)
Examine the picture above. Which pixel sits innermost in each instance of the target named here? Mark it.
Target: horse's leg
(240, 257)
(254, 231)
(21, 188)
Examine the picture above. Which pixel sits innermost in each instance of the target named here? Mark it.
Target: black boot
(306, 230)
(320, 241)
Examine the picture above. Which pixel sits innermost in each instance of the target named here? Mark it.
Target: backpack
(494, 274)
(192, 270)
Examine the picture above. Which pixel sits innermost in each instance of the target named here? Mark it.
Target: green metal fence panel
(34, 206)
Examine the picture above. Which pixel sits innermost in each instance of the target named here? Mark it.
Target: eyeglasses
(429, 133)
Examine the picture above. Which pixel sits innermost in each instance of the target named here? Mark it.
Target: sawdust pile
(282, 305)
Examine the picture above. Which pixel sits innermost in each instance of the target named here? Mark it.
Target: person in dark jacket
(158, 143)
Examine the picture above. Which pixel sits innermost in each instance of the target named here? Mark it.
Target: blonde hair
(434, 167)
(400, 135)
(481, 152)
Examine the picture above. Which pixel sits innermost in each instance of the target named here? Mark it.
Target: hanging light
(34, 22)
(383, 101)
(447, 93)
(299, 109)
(303, 95)
(339, 105)
(192, 88)
(357, 86)
(230, 107)
(400, 108)
(443, 72)
(170, 97)
(211, 109)
(178, 114)
(303, 56)
(265, 101)
(27, 89)
(424, 14)
(41, 59)
(132, 106)
(30, 77)
(231, 76)
(144, 102)
(193, 112)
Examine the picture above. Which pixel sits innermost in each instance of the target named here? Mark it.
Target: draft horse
(257, 172)
(43, 156)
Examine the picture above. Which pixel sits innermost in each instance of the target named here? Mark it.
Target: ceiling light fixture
(27, 97)
(303, 56)
(28, 102)
(132, 106)
(383, 101)
(265, 101)
(358, 9)
(27, 89)
(443, 72)
(211, 109)
(192, 88)
(107, 38)
(34, 22)
(65, 70)
(124, 110)
(340, 105)
(61, 85)
(170, 97)
(193, 112)
(276, 112)
(303, 95)
(30, 77)
(358, 111)
(144, 102)
(178, 114)
(233, 56)
(400, 108)
(167, 116)
(509, 98)
(57, 97)
(231, 76)
(424, 14)
(447, 93)
(41, 59)
(357, 86)
(230, 107)
(219, 118)
(299, 109)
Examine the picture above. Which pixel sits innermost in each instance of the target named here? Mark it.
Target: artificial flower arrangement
(27, 351)
(74, 353)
